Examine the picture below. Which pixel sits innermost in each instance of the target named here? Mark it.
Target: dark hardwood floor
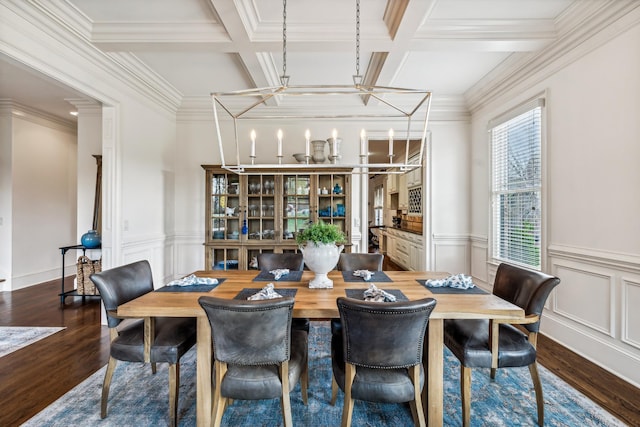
(35, 376)
(38, 374)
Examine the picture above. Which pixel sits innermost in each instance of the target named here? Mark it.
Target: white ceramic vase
(321, 258)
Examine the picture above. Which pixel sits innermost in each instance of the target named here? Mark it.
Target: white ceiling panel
(447, 73)
(498, 9)
(132, 11)
(204, 46)
(197, 73)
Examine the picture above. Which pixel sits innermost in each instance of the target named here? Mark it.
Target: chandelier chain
(357, 37)
(284, 41)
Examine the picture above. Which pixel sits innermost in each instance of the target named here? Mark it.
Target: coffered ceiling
(195, 47)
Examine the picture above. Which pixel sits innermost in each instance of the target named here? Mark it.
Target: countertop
(417, 233)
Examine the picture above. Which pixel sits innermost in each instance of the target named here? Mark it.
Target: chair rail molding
(593, 311)
(609, 259)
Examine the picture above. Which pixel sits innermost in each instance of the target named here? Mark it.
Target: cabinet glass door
(296, 204)
(261, 207)
(332, 199)
(225, 207)
(224, 258)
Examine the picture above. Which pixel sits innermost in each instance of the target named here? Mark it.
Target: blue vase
(337, 189)
(91, 239)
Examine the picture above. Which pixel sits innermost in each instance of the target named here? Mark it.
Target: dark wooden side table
(73, 292)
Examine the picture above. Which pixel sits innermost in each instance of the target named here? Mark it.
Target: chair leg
(105, 386)
(537, 386)
(285, 402)
(493, 373)
(347, 409)
(416, 404)
(174, 390)
(219, 402)
(465, 395)
(334, 390)
(153, 368)
(304, 383)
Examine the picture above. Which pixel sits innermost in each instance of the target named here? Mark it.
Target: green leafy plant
(320, 232)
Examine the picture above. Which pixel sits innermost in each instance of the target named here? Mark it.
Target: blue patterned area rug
(139, 398)
(14, 338)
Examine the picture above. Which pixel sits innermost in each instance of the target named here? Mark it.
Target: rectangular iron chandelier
(286, 104)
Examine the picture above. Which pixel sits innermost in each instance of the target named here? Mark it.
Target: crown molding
(68, 27)
(443, 109)
(38, 117)
(582, 28)
(158, 32)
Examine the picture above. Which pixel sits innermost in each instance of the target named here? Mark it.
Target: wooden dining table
(320, 304)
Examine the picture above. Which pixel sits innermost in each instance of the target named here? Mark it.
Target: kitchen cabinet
(405, 249)
(392, 183)
(403, 192)
(414, 177)
(261, 212)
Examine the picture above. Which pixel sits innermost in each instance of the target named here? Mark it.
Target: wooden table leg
(203, 381)
(435, 392)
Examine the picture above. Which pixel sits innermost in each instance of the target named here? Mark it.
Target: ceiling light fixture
(317, 103)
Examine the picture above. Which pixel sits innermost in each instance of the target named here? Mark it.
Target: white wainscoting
(451, 253)
(188, 254)
(152, 249)
(594, 309)
(479, 268)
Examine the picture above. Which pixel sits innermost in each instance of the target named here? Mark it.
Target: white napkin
(278, 273)
(192, 280)
(265, 293)
(458, 281)
(378, 295)
(365, 274)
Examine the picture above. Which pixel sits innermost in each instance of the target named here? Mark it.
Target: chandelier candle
(334, 134)
(253, 144)
(391, 143)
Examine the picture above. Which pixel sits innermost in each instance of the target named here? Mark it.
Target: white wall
(593, 232)
(450, 179)
(44, 197)
(6, 149)
(138, 135)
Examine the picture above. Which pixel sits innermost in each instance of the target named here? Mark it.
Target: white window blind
(516, 147)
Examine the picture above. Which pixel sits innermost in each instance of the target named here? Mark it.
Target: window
(516, 145)
(378, 205)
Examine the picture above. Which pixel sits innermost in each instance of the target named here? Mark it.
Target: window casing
(516, 186)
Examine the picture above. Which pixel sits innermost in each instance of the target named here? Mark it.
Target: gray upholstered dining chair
(352, 262)
(358, 261)
(272, 261)
(256, 353)
(172, 337)
(480, 343)
(292, 261)
(377, 356)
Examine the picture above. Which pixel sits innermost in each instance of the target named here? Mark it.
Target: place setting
(365, 276)
(191, 283)
(268, 292)
(455, 284)
(375, 294)
(278, 275)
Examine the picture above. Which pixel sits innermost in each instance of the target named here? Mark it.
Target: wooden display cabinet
(261, 212)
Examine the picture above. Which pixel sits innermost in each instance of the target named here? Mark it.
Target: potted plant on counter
(321, 244)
